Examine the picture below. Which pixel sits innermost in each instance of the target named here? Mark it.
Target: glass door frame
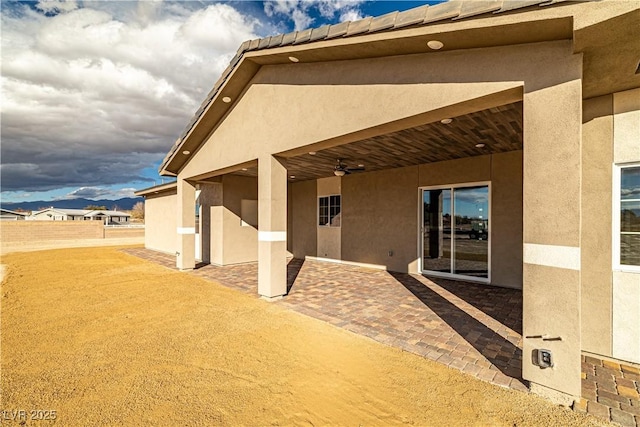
(453, 187)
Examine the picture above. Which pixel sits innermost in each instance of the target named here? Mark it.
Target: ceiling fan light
(339, 172)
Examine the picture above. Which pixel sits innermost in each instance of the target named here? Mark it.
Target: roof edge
(157, 189)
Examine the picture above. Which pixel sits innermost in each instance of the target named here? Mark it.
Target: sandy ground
(104, 338)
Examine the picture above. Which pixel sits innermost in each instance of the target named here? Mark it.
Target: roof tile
(275, 41)
(383, 22)
(243, 47)
(359, 27)
(288, 39)
(473, 8)
(442, 11)
(234, 61)
(550, 2)
(411, 16)
(254, 44)
(319, 33)
(303, 36)
(517, 4)
(338, 30)
(264, 43)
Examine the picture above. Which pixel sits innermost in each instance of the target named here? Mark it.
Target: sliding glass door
(455, 231)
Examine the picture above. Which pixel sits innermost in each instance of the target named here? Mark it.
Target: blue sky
(96, 92)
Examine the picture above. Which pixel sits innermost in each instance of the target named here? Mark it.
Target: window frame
(453, 187)
(617, 199)
(328, 206)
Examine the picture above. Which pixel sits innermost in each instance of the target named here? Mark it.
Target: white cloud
(92, 95)
(301, 11)
(351, 15)
(55, 6)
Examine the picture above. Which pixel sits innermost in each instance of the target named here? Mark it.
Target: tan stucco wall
(626, 316)
(626, 130)
(160, 222)
(240, 239)
(210, 200)
(506, 219)
(302, 233)
(626, 284)
(231, 240)
(551, 317)
(596, 292)
(381, 215)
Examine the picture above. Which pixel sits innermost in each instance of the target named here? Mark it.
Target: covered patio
(474, 328)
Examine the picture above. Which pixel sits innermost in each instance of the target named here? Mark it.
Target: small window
(329, 211)
(627, 232)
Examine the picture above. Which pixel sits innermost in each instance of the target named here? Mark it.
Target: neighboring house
(6, 214)
(60, 214)
(518, 119)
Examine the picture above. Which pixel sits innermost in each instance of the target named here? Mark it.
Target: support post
(551, 226)
(186, 227)
(272, 227)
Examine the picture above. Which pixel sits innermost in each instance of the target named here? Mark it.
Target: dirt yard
(104, 338)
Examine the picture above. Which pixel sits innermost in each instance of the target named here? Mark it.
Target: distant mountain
(124, 204)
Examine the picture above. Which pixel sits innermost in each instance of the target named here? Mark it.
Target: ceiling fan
(342, 169)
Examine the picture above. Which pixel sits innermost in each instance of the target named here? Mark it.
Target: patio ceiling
(498, 128)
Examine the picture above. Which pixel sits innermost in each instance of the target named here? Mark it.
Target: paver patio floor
(471, 327)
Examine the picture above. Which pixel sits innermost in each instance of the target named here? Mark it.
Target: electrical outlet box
(542, 358)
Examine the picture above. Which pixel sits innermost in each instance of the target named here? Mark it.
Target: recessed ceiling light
(446, 121)
(435, 44)
(361, 166)
(185, 152)
(293, 59)
(292, 176)
(226, 99)
(481, 145)
(244, 169)
(313, 153)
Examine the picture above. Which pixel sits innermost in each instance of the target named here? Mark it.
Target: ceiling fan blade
(356, 169)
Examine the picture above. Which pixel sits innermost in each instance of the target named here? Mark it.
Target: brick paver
(612, 390)
(474, 328)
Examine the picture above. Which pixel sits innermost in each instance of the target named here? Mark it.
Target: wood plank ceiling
(498, 128)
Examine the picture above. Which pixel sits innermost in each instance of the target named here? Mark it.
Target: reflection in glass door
(437, 230)
(456, 231)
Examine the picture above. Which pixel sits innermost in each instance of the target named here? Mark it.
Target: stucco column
(272, 227)
(186, 226)
(551, 227)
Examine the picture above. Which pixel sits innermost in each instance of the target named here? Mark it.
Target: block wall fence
(38, 231)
